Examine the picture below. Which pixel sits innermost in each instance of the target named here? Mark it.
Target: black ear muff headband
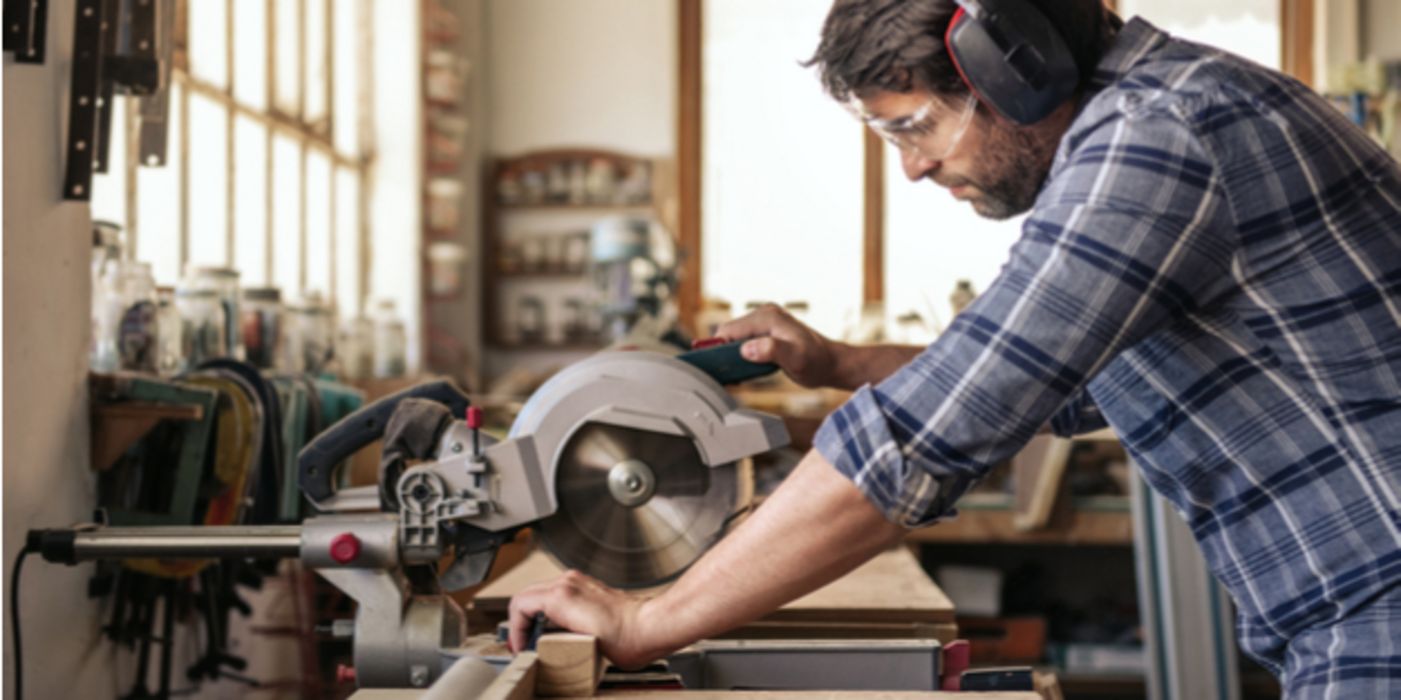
(1011, 57)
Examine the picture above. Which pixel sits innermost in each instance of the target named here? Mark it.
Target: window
(268, 151)
(781, 166)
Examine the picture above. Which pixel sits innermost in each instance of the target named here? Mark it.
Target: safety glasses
(932, 131)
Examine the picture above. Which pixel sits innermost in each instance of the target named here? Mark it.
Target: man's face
(992, 163)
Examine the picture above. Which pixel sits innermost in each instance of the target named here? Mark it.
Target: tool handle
(316, 463)
(724, 363)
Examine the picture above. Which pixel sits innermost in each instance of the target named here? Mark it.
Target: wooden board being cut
(890, 589)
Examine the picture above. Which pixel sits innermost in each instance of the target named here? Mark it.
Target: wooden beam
(570, 665)
(1296, 39)
(873, 220)
(688, 160)
(517, 681)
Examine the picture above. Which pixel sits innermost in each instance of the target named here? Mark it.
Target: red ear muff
(958, 16)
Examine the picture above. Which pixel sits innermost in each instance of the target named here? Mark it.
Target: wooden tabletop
(890, 588)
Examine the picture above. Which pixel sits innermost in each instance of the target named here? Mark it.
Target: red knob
(345, 547)
(474, 417)
(345, 674)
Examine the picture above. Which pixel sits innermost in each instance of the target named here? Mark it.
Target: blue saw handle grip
(726, 365)
(316, 463)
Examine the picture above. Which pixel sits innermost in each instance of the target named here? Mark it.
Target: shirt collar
(1135, 40)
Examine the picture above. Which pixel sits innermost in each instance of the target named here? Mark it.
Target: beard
(1009, 171)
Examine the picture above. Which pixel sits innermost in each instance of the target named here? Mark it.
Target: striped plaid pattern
(1212, 268)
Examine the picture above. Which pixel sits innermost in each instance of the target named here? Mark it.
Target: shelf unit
(537, 210)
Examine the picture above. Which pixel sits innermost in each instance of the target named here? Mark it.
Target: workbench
(889, 597)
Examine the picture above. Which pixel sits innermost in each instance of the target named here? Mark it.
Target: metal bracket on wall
(25, 27)
(84, 95)
(119, 46)
(155, 106)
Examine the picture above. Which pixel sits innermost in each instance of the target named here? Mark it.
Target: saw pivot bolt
(345, 548)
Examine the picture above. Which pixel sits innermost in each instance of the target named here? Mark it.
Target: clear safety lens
(933, 131)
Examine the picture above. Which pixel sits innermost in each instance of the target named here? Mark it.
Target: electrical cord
(14, 620)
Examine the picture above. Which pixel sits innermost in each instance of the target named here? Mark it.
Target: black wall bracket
(26, 22)
(118, 46)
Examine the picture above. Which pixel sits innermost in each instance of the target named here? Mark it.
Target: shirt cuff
(856, 439)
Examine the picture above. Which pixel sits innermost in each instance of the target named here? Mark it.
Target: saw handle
(724, 363)
(316, 463)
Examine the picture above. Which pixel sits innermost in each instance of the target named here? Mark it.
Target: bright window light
(251, 54)
(251, 200)
(286, 215)
(209, 46)
(287, 47)
(319, 253)
(157, 227)
(209, 182)
(782, 180)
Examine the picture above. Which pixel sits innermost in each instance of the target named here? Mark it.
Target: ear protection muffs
(1012, 58)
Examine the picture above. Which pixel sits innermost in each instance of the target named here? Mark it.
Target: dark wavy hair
(897, 45)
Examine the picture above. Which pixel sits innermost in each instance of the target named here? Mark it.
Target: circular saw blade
(632, 542)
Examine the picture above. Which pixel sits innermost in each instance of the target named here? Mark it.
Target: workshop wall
(586, 73)
(1382, 26)
(597, 73)
(47, 290)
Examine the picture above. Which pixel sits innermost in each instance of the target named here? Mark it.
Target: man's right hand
(806, 356)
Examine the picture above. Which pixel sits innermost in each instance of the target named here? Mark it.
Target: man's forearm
(868, 364)
(814, 528)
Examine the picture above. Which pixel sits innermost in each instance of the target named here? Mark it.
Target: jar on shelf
(124, 319)
(355, 348)
(308, 335)
(203, 327)
(170, 351)
(390, 341)
(261, 325)
(223, 281)
(445, 268)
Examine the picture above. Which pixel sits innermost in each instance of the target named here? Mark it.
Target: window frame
(309, 137)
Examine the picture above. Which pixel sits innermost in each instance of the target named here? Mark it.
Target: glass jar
(124, 319)
(261, 325)
(223, 281)
(356, 348)
(202, 325)
(170, 351)
(308, 340)
(391, 342)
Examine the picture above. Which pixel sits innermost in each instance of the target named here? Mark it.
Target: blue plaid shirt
(1212, 269)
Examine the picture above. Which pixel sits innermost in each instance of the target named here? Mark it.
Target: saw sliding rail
(173, 542)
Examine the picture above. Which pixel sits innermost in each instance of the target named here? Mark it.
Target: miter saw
(624, 464)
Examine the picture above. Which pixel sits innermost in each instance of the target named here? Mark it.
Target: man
(1211, 266)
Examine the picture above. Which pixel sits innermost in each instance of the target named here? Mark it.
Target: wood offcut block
(569, 665)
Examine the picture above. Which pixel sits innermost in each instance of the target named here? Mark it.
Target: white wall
(1381, 28)
(47, 482)
(582, 73)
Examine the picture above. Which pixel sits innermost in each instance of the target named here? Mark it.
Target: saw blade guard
(670, 435)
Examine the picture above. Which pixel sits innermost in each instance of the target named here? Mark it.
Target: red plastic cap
(707, 342)
(474, 417)
(345, 674)
(345, 547)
